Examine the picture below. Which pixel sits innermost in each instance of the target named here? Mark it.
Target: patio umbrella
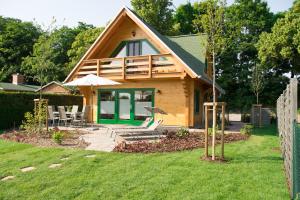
(91, 80)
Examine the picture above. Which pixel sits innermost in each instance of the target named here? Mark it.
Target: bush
(247, 129)
(182, 132)
(58, 136)
(14, 105)
(29, 123)
(211, 129)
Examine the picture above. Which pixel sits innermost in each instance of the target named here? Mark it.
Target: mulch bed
(71, 139)
(173, 143)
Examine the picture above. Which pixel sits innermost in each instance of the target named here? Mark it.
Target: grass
(255, 171)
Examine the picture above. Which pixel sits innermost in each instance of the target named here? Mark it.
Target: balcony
(132, 67)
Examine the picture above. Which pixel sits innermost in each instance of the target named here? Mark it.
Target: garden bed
(71, 139)
(174, 143)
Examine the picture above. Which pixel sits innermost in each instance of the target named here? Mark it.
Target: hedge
(13, 105)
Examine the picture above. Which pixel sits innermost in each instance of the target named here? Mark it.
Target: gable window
(134, 48)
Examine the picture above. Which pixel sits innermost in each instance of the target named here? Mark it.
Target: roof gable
(54, 83)
(177, 47)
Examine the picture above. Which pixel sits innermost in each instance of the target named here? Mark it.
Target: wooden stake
(206, 132)
(213, 143)
(223, 127)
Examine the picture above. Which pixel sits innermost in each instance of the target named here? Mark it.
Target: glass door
(125, 106)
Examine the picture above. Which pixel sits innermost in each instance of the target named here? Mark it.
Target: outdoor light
(133, 33)
(158, 91)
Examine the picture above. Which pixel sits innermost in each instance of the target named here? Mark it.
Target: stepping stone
(66, 158)
(7, 178)
(27, 169)
(90, 156)
(55, 165)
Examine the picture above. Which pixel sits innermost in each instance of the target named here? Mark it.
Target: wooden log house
(171, 73)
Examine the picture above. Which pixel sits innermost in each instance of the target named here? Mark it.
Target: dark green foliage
(184, 16)
(14, 105)
(16, 41)
(158, 13)
(245, 21)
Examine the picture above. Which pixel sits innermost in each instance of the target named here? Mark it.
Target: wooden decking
(132, 67)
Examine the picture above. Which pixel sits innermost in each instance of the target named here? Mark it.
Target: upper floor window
(134, 48)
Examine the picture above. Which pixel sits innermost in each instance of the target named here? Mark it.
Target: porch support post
(123, 68)
(98, 67)
(150, 66)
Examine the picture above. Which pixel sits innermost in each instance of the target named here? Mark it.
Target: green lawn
(255, 171)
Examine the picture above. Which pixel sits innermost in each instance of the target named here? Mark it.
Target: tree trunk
(214, 109)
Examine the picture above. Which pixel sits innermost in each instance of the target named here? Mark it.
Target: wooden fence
(287, 128)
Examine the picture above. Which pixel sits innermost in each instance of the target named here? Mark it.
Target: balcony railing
(132, 67)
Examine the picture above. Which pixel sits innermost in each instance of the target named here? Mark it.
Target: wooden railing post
(98, 67)
(124, 68)
(150, 66)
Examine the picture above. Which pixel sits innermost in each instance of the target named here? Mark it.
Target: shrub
(210, 130)
(29, 123)
(182, 132)
(247, 129)
(58, 136)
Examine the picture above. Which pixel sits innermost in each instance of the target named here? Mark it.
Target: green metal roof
(191, 49)
(13, 87)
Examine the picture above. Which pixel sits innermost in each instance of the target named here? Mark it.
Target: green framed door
(124, 106)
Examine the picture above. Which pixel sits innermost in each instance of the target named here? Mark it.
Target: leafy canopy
(280, 49)
(16, 41)
(80, 45)
(158, 13)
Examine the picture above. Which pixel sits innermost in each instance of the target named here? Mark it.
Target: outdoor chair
(144, 125)
(81, 117)
(63, 116)
(152, 129)
(51, 117)
(74, 111)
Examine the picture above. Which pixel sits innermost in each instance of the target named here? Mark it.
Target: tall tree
(55, 46)
(184, 16)
(16, 41)
(280, 49)
(213, 25)
(80, 45)
(158, 13)
(245, 21)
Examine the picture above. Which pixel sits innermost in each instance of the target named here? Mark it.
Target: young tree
(257, 83)
(158, 13)
(213, 25)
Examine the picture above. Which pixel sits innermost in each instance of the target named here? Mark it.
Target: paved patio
(100, 139)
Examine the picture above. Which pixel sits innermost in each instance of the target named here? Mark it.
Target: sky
(96, 12)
